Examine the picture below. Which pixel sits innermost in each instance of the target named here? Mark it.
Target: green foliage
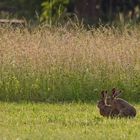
(53, 10)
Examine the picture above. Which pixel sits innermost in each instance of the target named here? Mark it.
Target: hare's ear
(117, 94)
(102, 94)
(113, 90)
(105, 97)
(106, 93)
(113, 93)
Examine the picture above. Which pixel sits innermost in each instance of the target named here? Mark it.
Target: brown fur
(124, 108)
(106, 110)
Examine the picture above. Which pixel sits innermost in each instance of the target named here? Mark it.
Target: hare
(123, 107)
(106, 110)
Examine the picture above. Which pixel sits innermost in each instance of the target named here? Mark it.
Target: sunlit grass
(63, 121)
(65, 65)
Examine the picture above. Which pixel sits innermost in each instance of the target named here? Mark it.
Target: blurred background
(87, 11)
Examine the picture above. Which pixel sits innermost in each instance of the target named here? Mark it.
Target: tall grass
(58, 64)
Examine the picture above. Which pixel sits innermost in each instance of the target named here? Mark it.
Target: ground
(73, 121)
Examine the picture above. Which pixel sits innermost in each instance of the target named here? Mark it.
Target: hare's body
(125, 109)
(106, 110)
(112, 106)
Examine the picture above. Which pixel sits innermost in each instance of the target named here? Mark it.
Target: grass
(59, 64)
(73, 121)
(66, 65)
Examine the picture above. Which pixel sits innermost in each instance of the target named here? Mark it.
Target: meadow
(64, 64)
(74, 121)
(51, 79)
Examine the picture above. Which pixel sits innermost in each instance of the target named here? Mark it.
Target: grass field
(45, 67)
(75, 121)
(60, 64)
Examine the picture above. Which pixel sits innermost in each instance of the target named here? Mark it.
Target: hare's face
(111, 99)
(100, 104)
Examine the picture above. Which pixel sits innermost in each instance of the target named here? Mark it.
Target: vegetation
(54, 11)
(71, 65)
(63, 121)
(57, 64)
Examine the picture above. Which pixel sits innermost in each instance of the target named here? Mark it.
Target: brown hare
(106, 110)
(123, 107)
